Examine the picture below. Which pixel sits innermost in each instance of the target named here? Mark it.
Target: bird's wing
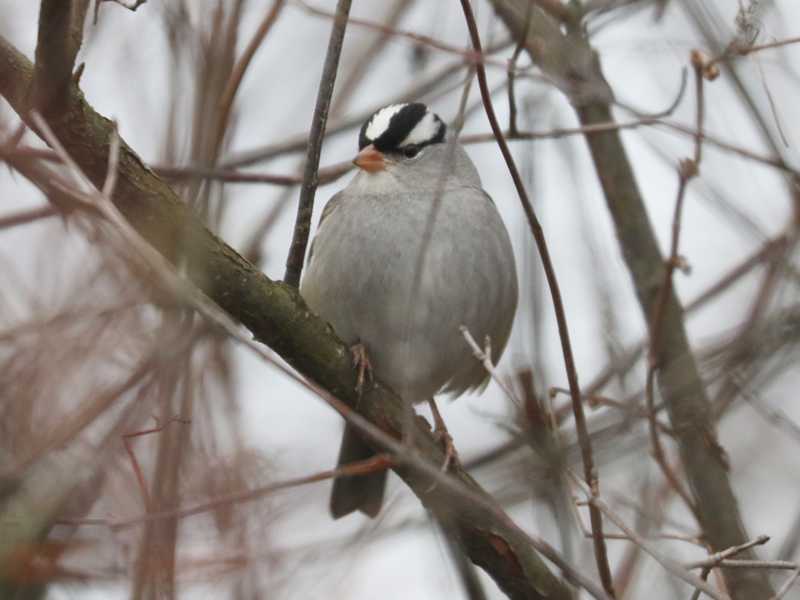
(335, 201)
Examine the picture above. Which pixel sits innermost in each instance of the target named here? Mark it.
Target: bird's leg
(409, 416)
(361, 362)
(440, 430)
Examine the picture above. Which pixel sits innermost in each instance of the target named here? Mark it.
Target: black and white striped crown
(399, 126)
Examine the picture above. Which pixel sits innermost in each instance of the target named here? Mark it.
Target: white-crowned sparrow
(409, 251)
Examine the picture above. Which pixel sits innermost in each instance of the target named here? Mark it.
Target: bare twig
(787, 585)
(775, 417)
(590, 472)
(470, 56)
(512, 67)
(685, 173)
(560, 132)
(367, 57)
(669, 564)
(137, 470)
(485, 356)
(326, 175)
(28, 216)
(724, 283)
(374, 463)
(239, 69)
(704, 576)
(715, 559)
(687, 170)
(132, 5)
(758, 564)
(70, 427)
(302, 228)
(740, 49)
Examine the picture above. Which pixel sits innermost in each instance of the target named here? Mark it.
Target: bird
(411, 250)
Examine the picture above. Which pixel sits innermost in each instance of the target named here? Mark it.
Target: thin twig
(697, 64)
(590, 472)
(371, 465)
(361, 66)
(704, 576)
(669, 564)
(512, 67)
(745, 340)
(239, 69)
(137, 470)
(28, 216)
(621, 536)
(470, 56)
(715, 559)
(775, 417)
(770, 247)
(302, 228)
(787, 585)
(771, 161)
(595, 400)
(735, 49)
(686, 171)
(325, 175)
(131, 7)
(485, 356)
(759, 564)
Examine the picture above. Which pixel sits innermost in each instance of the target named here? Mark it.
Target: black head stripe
(400, 125)
(439, 138)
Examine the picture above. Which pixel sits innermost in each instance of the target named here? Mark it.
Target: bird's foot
(444, 437)
(361, 362)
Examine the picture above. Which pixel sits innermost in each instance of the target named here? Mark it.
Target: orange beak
(370, 159)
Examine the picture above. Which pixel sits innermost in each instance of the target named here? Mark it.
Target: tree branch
(60, 36)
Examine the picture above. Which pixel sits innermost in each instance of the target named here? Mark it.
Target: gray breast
(365, 278)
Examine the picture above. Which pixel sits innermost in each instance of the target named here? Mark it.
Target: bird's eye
(410, 151)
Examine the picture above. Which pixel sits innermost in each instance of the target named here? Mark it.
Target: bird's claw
(361, 362)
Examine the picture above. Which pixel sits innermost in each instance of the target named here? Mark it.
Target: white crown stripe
(424, 131)
(379, 122)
